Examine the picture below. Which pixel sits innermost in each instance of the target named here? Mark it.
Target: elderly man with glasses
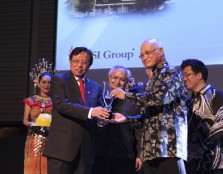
(164, 140)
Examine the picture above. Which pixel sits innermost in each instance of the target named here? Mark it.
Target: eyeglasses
(187, 74)
(80, 62)
(147, 53)
(123, 80)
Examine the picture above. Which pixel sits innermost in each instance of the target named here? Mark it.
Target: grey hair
(127, 71)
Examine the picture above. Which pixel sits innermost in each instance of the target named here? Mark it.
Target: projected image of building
(115, 7)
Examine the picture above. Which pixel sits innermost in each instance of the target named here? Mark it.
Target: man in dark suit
(70, 141)
(118, 145)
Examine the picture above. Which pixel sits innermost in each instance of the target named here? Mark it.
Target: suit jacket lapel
(75, 90)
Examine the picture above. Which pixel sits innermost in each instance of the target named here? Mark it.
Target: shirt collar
(79, 78)
(202, 90)
(205, 88)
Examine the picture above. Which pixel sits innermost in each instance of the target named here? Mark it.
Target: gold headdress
(41, 67)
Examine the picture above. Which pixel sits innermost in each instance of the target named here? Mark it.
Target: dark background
(27, 34)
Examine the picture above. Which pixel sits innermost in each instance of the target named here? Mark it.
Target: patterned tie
(82, 90)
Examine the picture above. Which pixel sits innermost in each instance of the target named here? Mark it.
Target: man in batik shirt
(164, 139)
(205, 121)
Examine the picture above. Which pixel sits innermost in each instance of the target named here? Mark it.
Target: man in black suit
(69, 146)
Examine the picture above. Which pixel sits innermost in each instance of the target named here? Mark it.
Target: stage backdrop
(115, 29)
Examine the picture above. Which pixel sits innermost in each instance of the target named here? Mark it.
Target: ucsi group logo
(108, 54)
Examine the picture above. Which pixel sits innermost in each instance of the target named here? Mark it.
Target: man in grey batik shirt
(164, 141)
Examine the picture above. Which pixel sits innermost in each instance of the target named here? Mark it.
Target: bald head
(153, 42)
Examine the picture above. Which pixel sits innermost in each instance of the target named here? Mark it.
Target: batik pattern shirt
(206, 129)
(165, 124)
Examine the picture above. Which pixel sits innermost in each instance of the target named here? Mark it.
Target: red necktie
(82, 90)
